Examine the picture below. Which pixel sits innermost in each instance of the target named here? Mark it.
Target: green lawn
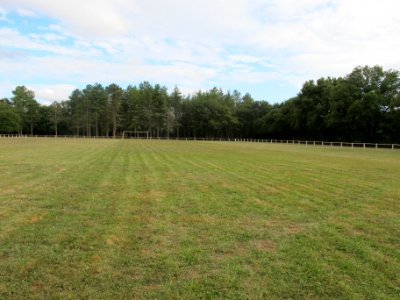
(173, 219)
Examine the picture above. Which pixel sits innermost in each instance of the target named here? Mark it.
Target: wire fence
(245, 140)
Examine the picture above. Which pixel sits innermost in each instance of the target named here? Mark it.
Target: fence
(270, 141)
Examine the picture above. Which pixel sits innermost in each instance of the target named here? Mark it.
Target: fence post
(364, 145)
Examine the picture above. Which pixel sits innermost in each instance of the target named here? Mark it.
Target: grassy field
(173, 219)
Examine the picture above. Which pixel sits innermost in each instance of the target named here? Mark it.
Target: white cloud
(25, 13)
(44, 93)
(329, 38)
(48, 37)
(48, 93)
(200, 42)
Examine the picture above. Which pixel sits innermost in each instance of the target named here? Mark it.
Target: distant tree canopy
(9, 119)
(362, 106)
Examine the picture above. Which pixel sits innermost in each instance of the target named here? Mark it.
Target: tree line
(362, 106)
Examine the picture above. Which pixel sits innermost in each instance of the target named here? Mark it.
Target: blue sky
(267, 48)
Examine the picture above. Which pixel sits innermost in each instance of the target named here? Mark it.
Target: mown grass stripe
(176, 219)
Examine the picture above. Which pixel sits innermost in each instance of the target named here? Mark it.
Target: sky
(267, 48)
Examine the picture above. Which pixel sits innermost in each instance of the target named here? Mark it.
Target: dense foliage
(362, 106)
